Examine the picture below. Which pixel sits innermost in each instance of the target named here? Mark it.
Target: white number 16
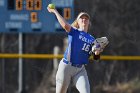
(86, 47)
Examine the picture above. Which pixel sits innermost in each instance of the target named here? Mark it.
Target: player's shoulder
(74, 29)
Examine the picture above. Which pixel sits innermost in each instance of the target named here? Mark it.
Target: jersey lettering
(81, 37)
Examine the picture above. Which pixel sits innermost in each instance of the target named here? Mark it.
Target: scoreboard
(33, 16)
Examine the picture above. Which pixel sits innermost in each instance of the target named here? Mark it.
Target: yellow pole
(51, 56)
(32, 56)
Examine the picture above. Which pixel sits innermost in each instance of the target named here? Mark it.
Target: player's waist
(75, 65)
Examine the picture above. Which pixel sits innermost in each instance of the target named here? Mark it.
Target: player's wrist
(96, 57)
(97, 52)
(55, 11)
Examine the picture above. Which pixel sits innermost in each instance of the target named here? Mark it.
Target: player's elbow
(67, 27)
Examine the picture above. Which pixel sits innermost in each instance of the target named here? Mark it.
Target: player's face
(83, 21)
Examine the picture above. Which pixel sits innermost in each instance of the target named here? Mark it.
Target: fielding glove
(99, 44)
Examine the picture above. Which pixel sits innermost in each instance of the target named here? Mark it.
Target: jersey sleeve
(72, 31)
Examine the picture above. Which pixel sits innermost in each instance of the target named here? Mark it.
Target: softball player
(72, 67)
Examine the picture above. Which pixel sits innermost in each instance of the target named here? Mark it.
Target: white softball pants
(67, 74)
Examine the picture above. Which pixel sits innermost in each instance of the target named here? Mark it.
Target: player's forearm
(62, 21)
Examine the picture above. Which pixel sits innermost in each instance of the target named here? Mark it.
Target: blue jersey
(79, 46)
